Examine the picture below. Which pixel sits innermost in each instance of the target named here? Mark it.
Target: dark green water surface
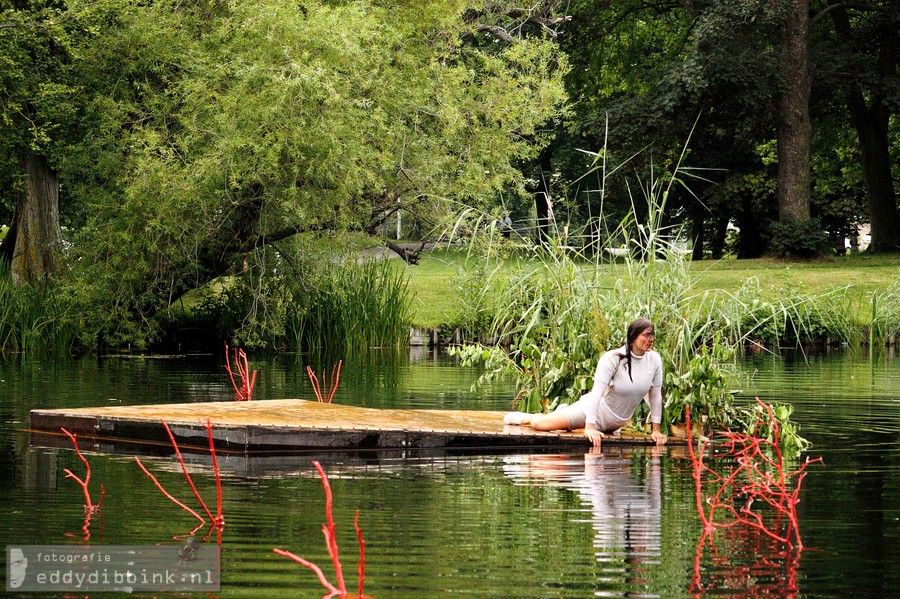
(619, 523)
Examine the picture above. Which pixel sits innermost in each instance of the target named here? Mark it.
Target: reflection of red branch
(757, 477)
(331, 544)
(215, 464)
(218, 521)
(335, 381)
(88, 504)
(86, 527)
(737, 567)
(361, 566)
(244, 392)
(184, 469)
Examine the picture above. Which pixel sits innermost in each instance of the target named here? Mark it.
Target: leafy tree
(281, 118)
(650, 68)
(655, 74)
(48, 50)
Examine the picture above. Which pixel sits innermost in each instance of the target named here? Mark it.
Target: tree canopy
(217, 128)
(643, 73)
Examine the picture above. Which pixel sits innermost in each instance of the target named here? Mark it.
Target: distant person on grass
(624, 377)
(506, 226)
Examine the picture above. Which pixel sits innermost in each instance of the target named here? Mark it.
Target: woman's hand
(657, 436)
(594, 435)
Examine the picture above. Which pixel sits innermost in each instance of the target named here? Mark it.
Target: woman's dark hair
(636, 327)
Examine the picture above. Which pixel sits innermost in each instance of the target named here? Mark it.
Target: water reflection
(438, 523)
(620, 489)
(742, 561)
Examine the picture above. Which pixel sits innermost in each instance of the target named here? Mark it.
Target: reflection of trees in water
(621, 487)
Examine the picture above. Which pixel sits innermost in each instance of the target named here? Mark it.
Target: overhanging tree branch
(544, 16)
(497, 31)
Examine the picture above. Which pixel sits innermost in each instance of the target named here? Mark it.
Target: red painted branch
(697, 464)
(763, 480)
(185, 471)
(230, 373)
(244, 391)
(361, 566)
(88, 504)
(324, 582)
(314, 381)
(220, 520)
(328, 530)
(335, 381)
(321, 390)
(166, 493)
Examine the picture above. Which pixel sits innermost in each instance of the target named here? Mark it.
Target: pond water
(439, 524)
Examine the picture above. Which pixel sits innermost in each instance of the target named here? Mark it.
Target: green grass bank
(442, 282)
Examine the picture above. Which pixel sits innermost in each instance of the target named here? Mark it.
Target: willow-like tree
(276, 118)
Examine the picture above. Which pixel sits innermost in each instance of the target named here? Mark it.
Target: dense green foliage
(798, 239)
(36, 320)
(328, 302)
(215, 130)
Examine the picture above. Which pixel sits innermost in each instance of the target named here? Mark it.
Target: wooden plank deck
(285, 425)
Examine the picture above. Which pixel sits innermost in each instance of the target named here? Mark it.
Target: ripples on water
(621, 523)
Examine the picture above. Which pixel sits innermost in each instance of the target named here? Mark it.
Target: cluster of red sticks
(755, 477)
(327, 396)
(216, 522)
(244, 391)
(331, 543)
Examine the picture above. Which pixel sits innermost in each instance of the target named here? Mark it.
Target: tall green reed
(35, 319)
(306, 300)
(884, 324)
(350, 305)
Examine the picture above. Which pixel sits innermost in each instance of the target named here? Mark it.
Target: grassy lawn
(437, 298)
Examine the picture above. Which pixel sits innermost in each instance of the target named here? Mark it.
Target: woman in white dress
(624, 377)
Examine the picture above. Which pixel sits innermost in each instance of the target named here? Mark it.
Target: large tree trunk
(871, 123)
(880, 199)
(792, 120)
(37, 234)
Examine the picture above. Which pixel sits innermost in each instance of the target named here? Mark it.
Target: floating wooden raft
(295, 424)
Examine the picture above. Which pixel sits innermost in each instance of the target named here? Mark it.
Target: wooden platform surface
(295, 424)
